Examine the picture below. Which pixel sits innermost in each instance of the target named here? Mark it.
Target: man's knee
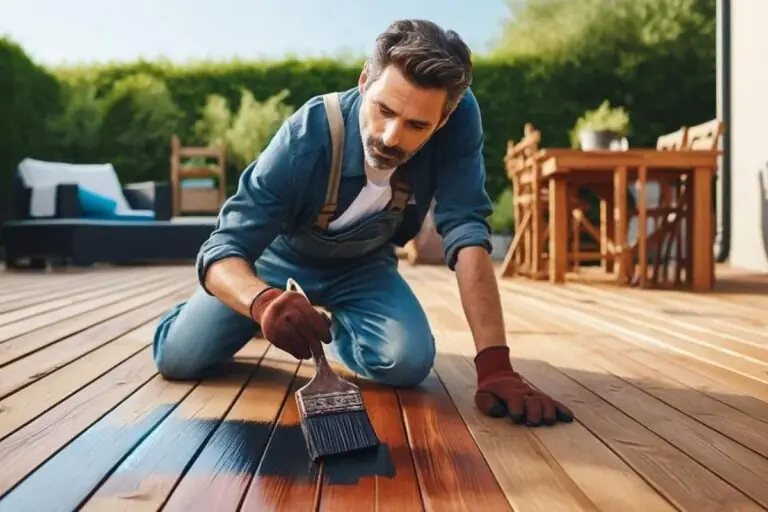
(194, 336)
(173, 362)
(405, 357)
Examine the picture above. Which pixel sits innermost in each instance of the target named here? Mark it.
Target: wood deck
(670, 390)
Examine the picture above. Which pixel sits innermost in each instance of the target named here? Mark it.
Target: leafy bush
(557, 59)
(140, 117)
(30, 97)
(502, 220)
(245, 133)
(75, 132)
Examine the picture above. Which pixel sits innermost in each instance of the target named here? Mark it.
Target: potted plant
(600, 128)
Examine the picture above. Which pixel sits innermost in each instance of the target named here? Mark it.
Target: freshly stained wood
(670, 391)
(149, 473)
(286, 479)
(451, 469)
(396, 485)
(222, 472)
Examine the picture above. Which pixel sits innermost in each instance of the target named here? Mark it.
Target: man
(409, 133)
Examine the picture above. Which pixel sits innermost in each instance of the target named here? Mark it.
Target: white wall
(749, 134)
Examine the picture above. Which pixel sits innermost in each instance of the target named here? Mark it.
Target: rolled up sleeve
(262, 207)
(462, 205)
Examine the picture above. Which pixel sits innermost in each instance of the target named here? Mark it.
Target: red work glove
(502, 392)
(289, 321)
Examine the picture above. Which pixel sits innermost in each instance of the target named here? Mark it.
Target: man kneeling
(345, 180)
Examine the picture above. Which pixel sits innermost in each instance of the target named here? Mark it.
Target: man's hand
(502, 392)
(289, 322)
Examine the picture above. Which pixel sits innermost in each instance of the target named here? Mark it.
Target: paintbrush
(331, 409)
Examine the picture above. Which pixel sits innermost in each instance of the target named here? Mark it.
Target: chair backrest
(705, 136)
(517, 154)
(673, 141)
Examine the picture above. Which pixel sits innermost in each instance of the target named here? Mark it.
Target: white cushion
(42, 176)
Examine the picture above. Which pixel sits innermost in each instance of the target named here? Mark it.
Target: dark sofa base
(84, 242)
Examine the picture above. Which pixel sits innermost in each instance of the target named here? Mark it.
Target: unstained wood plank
(24, 371)
(28, 447)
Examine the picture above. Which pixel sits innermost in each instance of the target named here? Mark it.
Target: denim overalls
(379, 328)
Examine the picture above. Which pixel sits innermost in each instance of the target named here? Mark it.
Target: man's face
(397, 118)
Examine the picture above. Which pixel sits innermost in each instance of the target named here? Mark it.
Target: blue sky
(84, 31)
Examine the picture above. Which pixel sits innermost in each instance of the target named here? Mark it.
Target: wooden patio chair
(197, 199)
(525, 254)
(528, 253)
(670, 217)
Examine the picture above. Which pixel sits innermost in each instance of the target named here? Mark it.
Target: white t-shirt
(373, 197)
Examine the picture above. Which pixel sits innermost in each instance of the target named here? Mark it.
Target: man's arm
(461, 213)
(461, 210)
(234, 283)
(264, 204)
(480, 298)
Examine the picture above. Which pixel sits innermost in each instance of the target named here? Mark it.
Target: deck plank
(451, 469)
(220, 475)
(726, 372)
(574, 466)
(28, 447)
(67, 479)
(147, 476)
(22, 371)
(670, 392)
(79, 311)
(286, 479)
(40, 303)
(397, 487)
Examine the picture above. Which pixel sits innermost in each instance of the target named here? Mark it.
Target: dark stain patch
(235, 448)
(287, 457)
(66, 479)
(348, 469)
(164, 445)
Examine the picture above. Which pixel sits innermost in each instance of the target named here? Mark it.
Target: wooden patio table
(564, 168)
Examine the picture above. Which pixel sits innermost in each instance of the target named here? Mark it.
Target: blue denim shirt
(284, 188)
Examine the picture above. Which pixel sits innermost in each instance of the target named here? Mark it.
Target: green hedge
(661, 87)
(30, 97)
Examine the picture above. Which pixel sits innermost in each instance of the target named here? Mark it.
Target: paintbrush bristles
(334, 434)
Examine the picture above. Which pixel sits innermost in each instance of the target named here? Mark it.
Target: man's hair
(427, 55)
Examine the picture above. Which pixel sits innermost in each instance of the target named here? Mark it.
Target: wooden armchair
(197, 199)
(525, 255)
(668, 242)
(528, 252)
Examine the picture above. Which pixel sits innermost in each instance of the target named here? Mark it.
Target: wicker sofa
(81, 214)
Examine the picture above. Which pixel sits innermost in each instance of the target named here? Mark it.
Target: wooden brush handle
(318, 354)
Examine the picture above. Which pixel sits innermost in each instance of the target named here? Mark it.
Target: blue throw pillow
(95, 205)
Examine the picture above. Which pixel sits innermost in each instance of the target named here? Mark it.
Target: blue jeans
(379, 328)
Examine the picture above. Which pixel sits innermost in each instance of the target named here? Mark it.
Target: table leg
(620, 221)
(702, 231)
(558, 225)
(642, 224)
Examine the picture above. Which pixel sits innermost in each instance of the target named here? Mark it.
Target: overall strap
(336, 125)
